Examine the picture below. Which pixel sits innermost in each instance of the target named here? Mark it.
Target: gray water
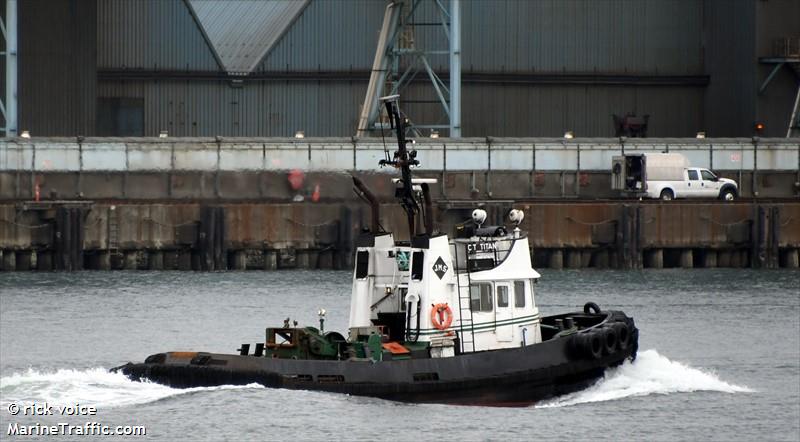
(719, 358)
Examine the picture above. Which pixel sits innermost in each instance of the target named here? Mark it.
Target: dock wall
(256, 169)
(65, 235)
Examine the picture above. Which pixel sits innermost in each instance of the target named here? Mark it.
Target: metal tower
(396, 48)
(8, 106)
(786, 51)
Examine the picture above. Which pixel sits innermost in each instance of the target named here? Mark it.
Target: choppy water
(719, 358)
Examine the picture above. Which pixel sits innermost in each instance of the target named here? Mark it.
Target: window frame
(519, 295)
(482, 300)
(497, 291)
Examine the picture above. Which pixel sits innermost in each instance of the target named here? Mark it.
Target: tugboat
(432, 319)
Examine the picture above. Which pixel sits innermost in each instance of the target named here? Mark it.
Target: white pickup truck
(668, 176)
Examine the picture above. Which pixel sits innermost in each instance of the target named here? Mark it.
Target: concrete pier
(556, 259)
(574, 259)
(654, 259)
(791, 259)
(131, 260)
(185, 260)
(9, 260)
(270, 260)
(44, 260)
(687, 259)
(64, 235)
(710, 259)
(239, 258)
(24, 260)
(600, 259)
(724, 258)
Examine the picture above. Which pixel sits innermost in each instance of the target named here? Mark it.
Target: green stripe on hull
(489, 325)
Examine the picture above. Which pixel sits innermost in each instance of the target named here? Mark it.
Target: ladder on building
(466, 325)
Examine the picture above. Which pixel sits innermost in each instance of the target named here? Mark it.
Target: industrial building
(529, 68)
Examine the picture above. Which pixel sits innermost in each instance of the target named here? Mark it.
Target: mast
(403, 159)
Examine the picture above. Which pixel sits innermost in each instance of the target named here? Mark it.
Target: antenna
(403, 159)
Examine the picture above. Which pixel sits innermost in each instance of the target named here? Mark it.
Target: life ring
(441, 316)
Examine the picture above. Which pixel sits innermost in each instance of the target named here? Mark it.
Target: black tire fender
(623, 335)
(609, 340)
(591, 307)
(593, 345)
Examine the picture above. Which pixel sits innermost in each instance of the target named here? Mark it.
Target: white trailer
(668, 176)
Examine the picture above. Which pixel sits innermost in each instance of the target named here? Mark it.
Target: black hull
(516, 376)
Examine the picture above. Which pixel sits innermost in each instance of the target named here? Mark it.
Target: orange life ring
(441, 316)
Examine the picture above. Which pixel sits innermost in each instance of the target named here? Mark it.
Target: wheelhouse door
(504, 316)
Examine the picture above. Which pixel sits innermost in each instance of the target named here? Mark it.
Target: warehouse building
(272, 68)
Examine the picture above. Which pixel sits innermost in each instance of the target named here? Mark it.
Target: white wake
(651, 373)
(94, 386)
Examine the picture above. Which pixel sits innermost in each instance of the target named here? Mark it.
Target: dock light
(299, 134)
(163, 134)
(700, 135)
(569, 135)
(434, 134)
(759, 127)
(25, 134)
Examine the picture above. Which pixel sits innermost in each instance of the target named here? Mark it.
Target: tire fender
(609, 340)
(623, 335)
(593, 345)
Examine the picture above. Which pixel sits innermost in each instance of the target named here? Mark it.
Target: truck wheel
(667, 195)
(727, 195)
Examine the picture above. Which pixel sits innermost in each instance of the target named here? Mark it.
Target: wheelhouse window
(502, 296)
(362, 264)
(519, 294)
(480, 296)
(417, 261)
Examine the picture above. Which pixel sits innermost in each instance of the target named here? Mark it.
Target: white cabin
(486, 281)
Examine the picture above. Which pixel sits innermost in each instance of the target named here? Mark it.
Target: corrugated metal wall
(152, 35)
(730, 62)
(643, 36)
(57, 66)
(776, 19)
(262, 108)
(330, 35)
(280, 108)
(500, 37)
